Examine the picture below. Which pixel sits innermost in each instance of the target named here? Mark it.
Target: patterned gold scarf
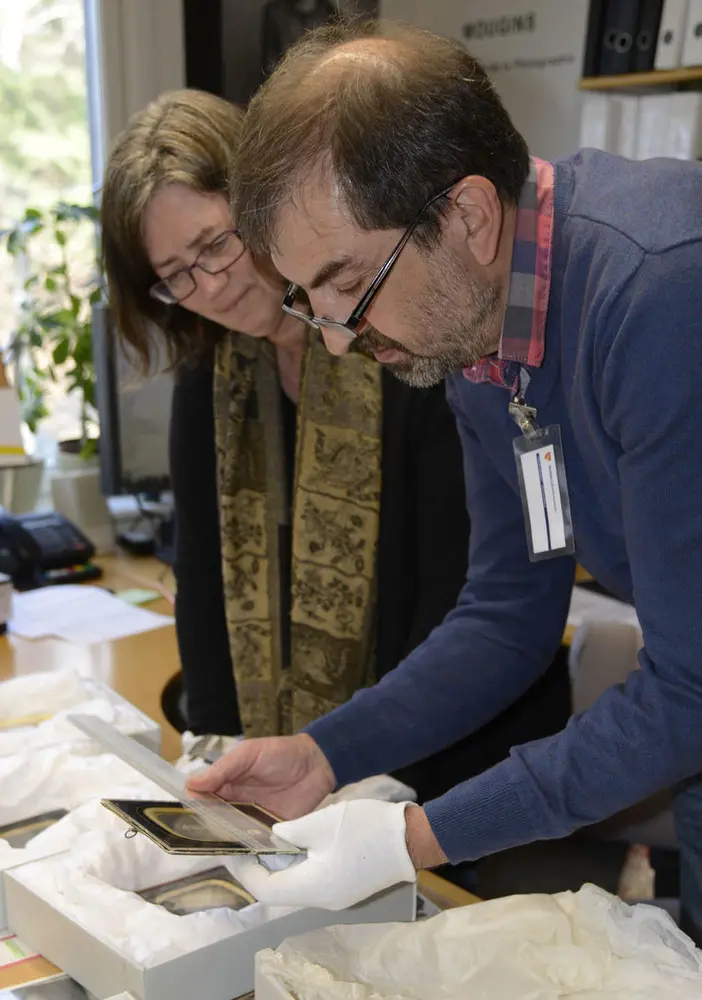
(335, 518)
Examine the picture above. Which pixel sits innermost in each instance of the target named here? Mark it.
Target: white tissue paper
(381, 786)
(96, 888)
(41, 781)
(95, 885)
(56, 693)
(586, 944)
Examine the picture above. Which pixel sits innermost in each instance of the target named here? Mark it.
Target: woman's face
(178, 222)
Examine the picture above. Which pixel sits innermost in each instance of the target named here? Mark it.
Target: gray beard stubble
(467, 331)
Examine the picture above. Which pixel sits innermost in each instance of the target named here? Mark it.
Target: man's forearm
(422, 845)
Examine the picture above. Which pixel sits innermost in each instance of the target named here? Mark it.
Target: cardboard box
(11, 447)
(269, 987)
(219, 971)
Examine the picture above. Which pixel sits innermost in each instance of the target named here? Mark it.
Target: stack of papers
(79, 614)
(588, 605)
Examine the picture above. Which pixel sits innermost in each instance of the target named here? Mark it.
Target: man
(386, 179)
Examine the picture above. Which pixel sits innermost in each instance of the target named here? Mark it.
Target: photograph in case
(25, 721)
(20, 833)
(178, 830)
(207, 890)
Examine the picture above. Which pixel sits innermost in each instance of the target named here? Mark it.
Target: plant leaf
(60, 352)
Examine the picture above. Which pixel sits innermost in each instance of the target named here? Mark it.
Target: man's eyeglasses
(222, 252)
(350, 327)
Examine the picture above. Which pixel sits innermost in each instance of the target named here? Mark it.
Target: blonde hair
(185, 137)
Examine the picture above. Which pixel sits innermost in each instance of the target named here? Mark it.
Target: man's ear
(475, 218)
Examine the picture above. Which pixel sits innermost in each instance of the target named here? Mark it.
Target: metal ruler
(222, 818)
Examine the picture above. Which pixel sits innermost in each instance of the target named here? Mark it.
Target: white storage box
(33, 711)
(219, 970)
(35, 784)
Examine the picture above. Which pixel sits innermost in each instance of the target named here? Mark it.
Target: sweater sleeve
(644, 735)
(497, 641)
(199, 610)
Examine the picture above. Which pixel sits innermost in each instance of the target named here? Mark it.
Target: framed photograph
(25, 721)
(206, 891)
(178, 830)
(19, 834)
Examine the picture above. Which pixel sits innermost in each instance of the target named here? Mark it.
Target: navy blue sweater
(622, 375)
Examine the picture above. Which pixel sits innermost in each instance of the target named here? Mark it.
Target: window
(44, 152)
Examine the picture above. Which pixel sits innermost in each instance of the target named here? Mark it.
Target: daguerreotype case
(177, 829)
(207, 890)
(20, 833)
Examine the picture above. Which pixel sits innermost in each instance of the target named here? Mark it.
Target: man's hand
(354, 850)
(287, 774)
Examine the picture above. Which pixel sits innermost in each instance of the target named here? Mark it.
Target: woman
(320, 522)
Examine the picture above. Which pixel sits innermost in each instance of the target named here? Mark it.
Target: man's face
(436, 313)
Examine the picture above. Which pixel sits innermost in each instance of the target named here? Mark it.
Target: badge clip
(524, 417)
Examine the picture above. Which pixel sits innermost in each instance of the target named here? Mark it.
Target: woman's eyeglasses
(222, 252)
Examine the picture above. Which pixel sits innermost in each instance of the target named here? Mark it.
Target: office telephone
(44, 548)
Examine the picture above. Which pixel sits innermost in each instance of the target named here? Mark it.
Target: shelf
(654, 78)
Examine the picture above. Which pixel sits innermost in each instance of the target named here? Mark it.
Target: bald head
(388, 114)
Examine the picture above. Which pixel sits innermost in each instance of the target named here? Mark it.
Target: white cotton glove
(354, 849)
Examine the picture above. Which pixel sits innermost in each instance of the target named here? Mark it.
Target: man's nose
(336, 342)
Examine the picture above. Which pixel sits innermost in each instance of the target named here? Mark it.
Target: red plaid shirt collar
(524, 326)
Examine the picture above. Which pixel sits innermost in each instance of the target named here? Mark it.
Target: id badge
(544, 493)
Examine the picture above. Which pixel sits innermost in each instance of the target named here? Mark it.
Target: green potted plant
(52, 343)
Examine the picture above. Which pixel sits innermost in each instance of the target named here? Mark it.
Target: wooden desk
(444, 894)
(137, 667)
(28, 971)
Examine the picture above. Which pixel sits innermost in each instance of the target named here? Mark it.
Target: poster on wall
(256, 33)
(532, 52)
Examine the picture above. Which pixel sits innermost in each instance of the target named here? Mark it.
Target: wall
(135, 52)
(241, 43)
(532, 50)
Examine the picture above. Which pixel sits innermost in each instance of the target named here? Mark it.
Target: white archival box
(57, 691)
(78, 944)
(42, 781)
(220, 971)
